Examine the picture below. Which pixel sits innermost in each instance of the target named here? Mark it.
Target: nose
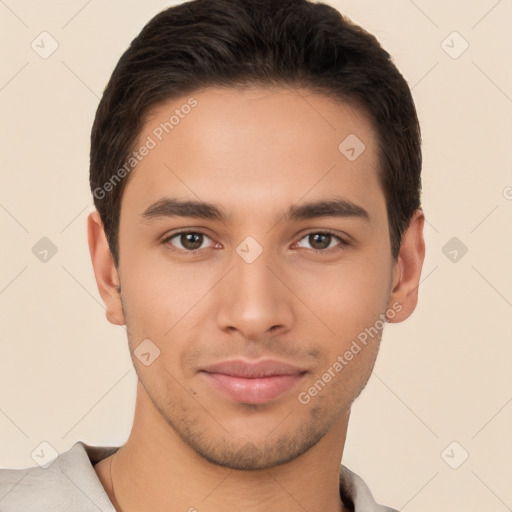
(255, 300)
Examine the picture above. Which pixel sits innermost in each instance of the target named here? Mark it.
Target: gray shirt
(70, 484)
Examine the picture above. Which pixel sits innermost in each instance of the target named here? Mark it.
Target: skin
(255, 152)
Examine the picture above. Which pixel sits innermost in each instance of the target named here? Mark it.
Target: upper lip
(251, 370)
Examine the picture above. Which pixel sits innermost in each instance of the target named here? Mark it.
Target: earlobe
(407, 268)
(105, 272)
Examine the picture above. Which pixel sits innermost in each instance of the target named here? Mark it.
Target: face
(263, 307)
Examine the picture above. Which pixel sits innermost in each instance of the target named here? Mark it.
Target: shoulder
(66, 482)
(355, 489)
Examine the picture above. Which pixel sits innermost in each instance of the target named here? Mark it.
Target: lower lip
(254, 391)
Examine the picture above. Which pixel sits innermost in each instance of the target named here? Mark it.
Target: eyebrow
(171, 207)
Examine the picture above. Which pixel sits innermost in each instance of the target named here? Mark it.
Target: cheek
(160, 297)
(346, 298)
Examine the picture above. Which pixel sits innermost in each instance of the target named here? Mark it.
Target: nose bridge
(254, 298)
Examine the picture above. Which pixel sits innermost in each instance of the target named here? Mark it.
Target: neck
(156, 470)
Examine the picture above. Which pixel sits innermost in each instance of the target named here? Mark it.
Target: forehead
(240, 145)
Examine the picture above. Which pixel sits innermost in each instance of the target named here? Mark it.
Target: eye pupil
(323, 237)
(188, 243)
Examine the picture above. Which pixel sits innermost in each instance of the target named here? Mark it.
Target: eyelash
(343, 243)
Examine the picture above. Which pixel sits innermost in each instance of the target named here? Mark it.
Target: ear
(407, 269)
(105, 271)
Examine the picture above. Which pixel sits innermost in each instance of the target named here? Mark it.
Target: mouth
(253, 383)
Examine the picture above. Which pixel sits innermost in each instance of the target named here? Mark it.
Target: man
(255, 167)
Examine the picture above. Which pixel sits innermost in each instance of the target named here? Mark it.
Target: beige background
(443, 376)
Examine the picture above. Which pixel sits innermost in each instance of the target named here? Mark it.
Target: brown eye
(320, 241)
(188, 241)
(191, 241)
